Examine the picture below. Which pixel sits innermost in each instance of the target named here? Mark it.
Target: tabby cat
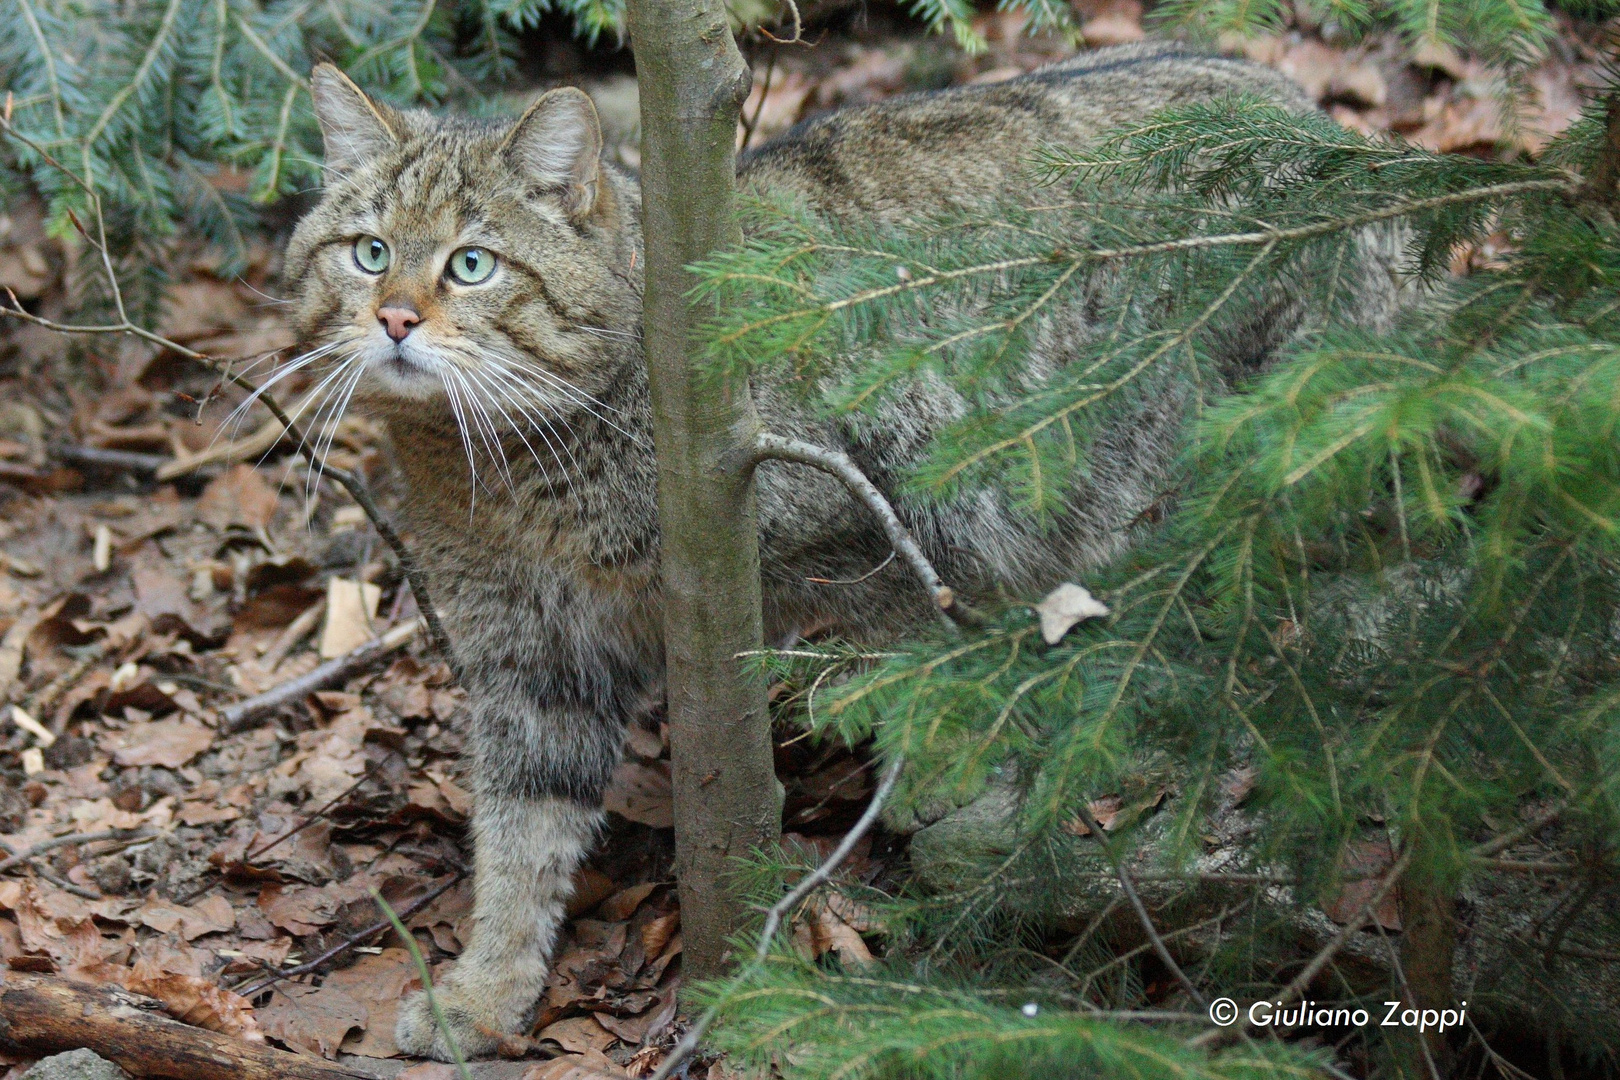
(480, 282)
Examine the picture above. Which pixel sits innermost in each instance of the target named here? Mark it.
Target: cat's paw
(475, 1027)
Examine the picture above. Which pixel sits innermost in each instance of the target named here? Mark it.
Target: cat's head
(485, 265)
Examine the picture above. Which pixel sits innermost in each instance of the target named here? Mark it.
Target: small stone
(75, 1065)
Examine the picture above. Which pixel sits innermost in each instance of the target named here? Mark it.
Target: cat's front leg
(538, 779)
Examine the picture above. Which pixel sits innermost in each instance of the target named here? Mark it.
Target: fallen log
(43, 1015)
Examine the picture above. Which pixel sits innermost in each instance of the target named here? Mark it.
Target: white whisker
(574, 393)
(466, 441)
(485, 427)
(502, 379)
(333, 421)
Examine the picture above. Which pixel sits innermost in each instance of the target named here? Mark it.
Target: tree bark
(693, 82)
(43, 1015)
(1428, 947)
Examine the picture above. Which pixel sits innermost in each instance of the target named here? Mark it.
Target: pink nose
(398, 321)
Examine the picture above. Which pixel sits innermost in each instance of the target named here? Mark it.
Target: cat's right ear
(558, 141)
(356, 129)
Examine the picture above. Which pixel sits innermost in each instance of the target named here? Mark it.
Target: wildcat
(481, 282)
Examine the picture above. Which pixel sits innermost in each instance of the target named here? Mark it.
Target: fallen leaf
(351, 613)
(238, 496)
(197, 1001)
(623, 904)
(170, 743)
(299, 910)
(1103, 811)
(641, 793)
(211, 916)
(311, 1018)
(823, 931)
(578, 1034)
(1365, 863)
(656, 933)
(377, 982)
(590, 1065)
(591, 887)
(1065, 606)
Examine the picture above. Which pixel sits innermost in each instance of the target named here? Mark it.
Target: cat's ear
(356, 129)
(559, 142)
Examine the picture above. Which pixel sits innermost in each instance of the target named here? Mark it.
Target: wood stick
(42, 1015)
(73, 838)
(836, 463)
(236, 717)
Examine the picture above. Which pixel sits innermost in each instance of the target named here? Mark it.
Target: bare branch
(235, 717)
(69, 840)
(839, 464)
(1135, 898)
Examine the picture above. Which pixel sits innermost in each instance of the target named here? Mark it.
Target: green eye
(372, 254)
(471, 265)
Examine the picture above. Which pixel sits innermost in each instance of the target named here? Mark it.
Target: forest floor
(237, 883)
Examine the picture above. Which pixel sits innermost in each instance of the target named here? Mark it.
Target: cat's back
(969, 144)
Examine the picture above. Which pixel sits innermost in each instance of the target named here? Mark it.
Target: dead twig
(235, 717)
(797, 36)
(97, 458)
(72, 838)
(352, 940)
(1135, 898)
(853, 581)
(779, 911)
(839, 464)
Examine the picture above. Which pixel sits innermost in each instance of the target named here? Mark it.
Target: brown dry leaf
(316, 1019)
(591, 887)
(238, 496)
(623, 904)
(641, 793)
(590, 1065)
(170, 743)
(53, 924)
(1104, 810)
(211, 916)
(855, 913)
(351, 616)
(1366, 861)
(377, 982)
(656, 933)
(578, 1034)
(829, 933)
(299, 910)
(205, 813)
(196, 1001)
(274, 607)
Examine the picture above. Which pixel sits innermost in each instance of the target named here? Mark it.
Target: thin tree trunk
(693, 82)
(1428, 948)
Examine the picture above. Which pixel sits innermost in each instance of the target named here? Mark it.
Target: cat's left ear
(559, 142)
